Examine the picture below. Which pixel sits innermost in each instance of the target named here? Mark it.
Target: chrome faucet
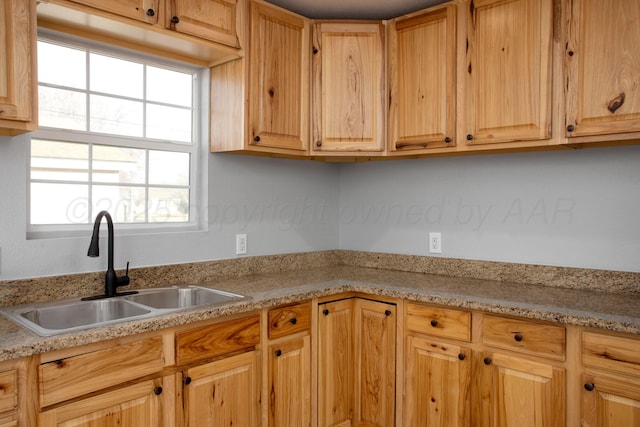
(111, 279)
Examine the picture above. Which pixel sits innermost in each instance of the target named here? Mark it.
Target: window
(118, 132)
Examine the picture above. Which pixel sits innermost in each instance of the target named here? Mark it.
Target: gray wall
(282, 205)
(576, 208)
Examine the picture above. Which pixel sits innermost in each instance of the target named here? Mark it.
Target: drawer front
(216, 340)
(438, 321)
(8, 391)
(78, 375)
(617, 354)
(524, 336)
(289, 319)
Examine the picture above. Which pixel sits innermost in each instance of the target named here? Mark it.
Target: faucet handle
(123, 280)
(126, 273)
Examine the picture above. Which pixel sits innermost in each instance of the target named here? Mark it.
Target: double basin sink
(52, 318)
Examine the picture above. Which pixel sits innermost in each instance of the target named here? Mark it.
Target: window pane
(63, 109)
(115, 76)
(168, 168)
(73, 74)
(59, 204)
(169, 87)
(126, 204)
(168, 205)
(115, 116)
(59, 161)
(118, 165)
(168, 123)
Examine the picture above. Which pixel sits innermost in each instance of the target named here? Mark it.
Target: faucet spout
(111, 279)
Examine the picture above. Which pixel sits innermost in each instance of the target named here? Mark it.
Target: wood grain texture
(508, 70)
(439, 321)
(612, 353)
(224, 393)
(214, 20)
(602, 65)
(289, 388)
(511, 391)
(78, 375)
(349, 107)
(228, 108)
(437, 392)
(613, 402)
(134, 405)
(222, 338)
(524, 336)
(132, 9)
(290, 319)
(8, 390)
(279, 78)
(422, 80)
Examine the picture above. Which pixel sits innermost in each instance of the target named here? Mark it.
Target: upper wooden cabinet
(18, 84)
(140, 10)
(603, 65)
(215, 20)
(348, 88)
(279, 79)
(508, 71)
(422, 80)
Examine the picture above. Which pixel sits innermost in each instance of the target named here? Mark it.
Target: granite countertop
(610, 311)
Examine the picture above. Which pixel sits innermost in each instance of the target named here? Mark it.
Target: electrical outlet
(241, 244)
(435, 242)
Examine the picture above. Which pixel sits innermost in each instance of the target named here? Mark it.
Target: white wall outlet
(435, 242)
(241, 244)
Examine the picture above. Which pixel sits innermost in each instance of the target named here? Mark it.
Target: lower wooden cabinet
(436, 384)
(513, 391)
(223, 393)
(610, 400)
(356, 363)
(142, 404)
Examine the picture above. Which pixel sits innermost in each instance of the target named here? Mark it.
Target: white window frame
(197, 150)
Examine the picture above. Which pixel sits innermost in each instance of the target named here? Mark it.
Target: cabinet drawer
(85, 373)
(289, 319)
(523, 336)
(215, 340)
(8, 391)
(617, 354)
(440, 322)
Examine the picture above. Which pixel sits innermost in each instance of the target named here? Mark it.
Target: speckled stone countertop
(606, 310)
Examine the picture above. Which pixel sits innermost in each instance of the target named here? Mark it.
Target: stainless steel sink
(182, 297)
(52, 318)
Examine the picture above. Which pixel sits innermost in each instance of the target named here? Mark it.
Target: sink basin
(52, 318)
(65, 316)
(182, 297)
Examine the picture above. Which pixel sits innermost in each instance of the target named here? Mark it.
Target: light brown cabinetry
(140, 10)
(18, 94)
(508, 83)
(356, 363)
(223, 393)
(215, 20)
(611, 381)
(349, 83)
(422, 80)
(602, 65)
(279, 79)
(17, 409)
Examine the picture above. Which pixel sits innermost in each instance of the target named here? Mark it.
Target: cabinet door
(336, 358)
(223, 393)
(136, 405)
(422, 80)
(437, 380)
(508, 70)
(610, 401)
(214, 20)
(290, 383)
(18, 105)
(603, 65)
(375, 368)
(279, 79)
(348, 88)
(140, 10)
(511, 391)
